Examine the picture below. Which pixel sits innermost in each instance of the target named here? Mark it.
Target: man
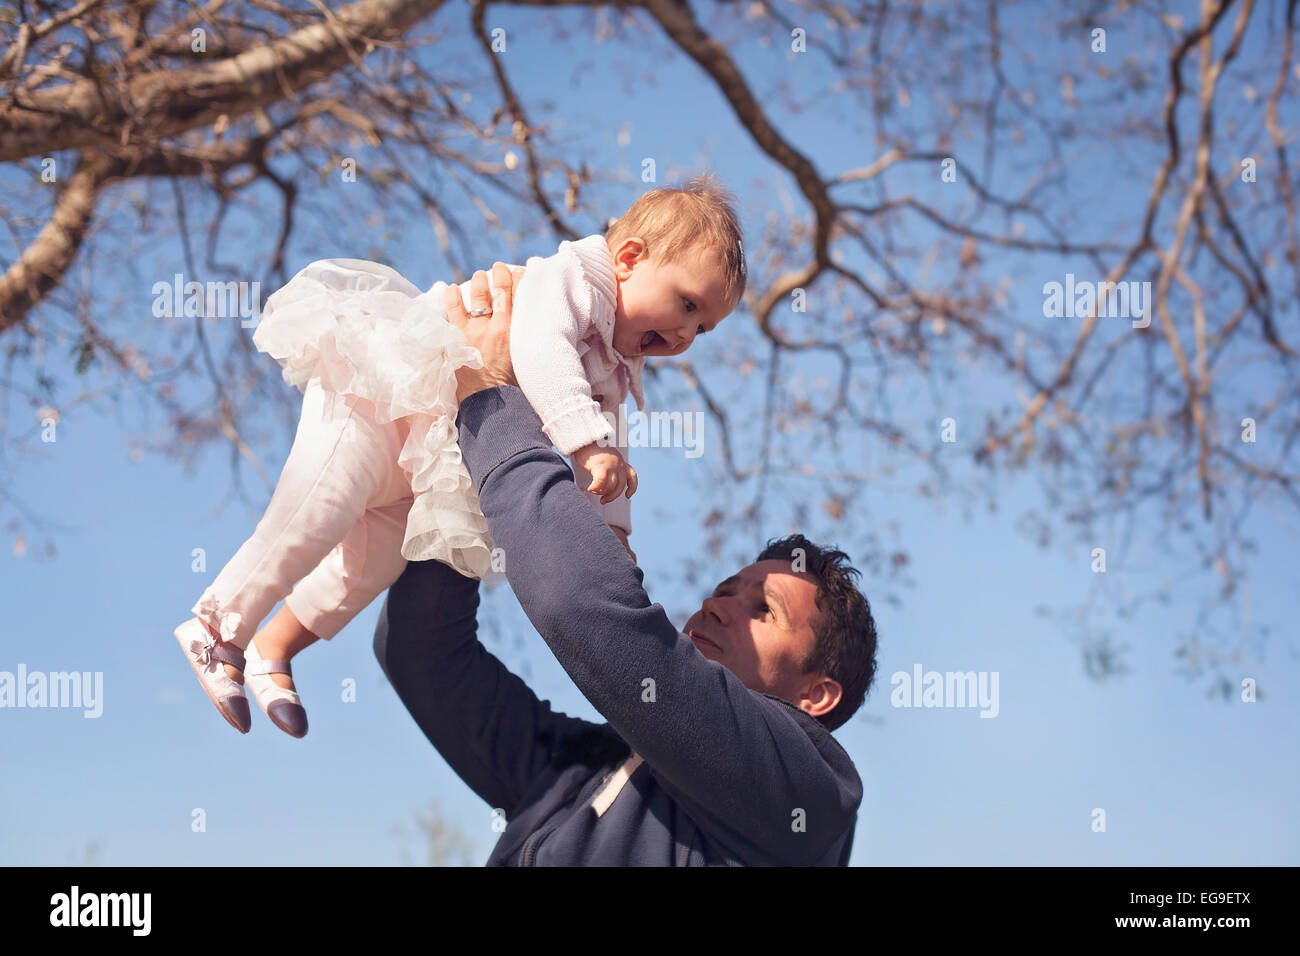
(717, 749)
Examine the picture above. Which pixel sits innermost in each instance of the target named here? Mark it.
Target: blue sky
(1183, 779)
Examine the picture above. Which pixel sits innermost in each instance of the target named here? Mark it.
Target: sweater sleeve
(753, 771)
(484, 721)
(553, 311)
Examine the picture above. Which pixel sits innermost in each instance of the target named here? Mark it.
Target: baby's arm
(617, 512)
(552, 312)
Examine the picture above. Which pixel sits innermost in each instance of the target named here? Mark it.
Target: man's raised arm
(743, 764)
(489, 727)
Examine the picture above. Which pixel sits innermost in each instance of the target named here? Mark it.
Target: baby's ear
(630, 251)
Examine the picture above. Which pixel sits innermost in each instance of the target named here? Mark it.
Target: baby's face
(663, 306)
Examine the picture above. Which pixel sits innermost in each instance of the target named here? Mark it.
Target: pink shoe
(206, 654)
(282, 705)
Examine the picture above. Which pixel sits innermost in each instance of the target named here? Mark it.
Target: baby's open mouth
(650, 339)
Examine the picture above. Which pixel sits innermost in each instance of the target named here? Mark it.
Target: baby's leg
(362, 567)
(282, 638)
(338, 463)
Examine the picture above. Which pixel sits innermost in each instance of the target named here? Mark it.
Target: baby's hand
(610, 474)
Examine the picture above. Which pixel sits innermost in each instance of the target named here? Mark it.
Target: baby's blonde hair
(672, 222)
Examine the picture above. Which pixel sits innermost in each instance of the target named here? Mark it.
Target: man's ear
(629, 252)
(821, 696)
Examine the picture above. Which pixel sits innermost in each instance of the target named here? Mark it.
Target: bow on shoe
(202, 651)
(228, 622)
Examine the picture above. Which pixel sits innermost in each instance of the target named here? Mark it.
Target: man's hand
(490, 334)
(610, 473)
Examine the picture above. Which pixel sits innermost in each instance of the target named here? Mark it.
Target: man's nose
(713, 608)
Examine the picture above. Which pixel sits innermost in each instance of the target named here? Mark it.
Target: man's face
(758, 624)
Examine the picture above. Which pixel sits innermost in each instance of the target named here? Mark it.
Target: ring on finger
(480, 311)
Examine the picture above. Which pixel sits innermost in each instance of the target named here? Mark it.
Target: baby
(375, 477)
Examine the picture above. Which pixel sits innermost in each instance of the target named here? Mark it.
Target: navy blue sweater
(719, 774)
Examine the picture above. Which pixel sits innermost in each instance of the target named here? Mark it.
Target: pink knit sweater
(561, 344)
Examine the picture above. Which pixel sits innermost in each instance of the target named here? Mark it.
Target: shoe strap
(263, 667)
(229, 654)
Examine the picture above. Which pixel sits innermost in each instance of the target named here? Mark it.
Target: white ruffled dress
(373, 337)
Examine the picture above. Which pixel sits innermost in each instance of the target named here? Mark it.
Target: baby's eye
(701, 330)
(690, 306)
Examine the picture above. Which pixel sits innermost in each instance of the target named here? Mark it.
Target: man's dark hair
(844, 631)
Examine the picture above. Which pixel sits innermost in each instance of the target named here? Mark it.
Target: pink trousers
(331, 538)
